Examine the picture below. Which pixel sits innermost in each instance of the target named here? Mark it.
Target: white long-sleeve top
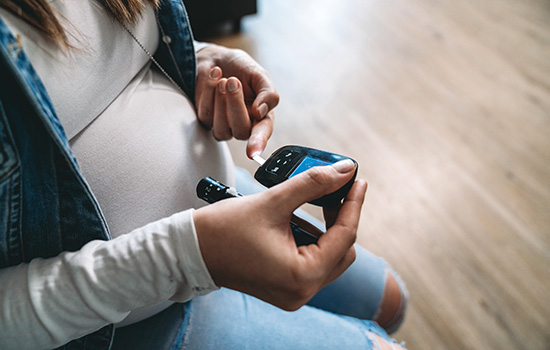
(142, 152)
(50, 301)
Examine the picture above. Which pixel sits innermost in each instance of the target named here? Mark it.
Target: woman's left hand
(235, 97)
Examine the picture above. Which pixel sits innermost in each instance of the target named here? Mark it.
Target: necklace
(166, 39)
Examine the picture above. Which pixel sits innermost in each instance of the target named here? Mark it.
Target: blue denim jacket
(46, 206)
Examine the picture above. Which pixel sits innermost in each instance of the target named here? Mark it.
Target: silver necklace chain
(150, 55)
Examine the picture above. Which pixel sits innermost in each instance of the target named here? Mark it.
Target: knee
(393, 305)
(381, 344)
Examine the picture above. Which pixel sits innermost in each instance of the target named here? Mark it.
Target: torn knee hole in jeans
(379, 343)
(394, 303)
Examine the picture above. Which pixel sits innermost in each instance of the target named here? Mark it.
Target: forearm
(48, 302)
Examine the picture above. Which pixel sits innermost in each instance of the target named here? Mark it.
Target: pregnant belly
(143, 157)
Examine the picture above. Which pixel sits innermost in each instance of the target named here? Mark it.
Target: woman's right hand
(248, 246)
(235, 97)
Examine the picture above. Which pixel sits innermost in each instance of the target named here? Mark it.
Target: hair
(40, 15)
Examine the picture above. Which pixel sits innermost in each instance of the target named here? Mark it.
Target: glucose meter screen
(308, 162)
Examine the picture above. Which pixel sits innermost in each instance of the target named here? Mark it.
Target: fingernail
(232, 85)
(215, 73)
(263, 109)
(222, 85)
(344, 166)
(255, 154)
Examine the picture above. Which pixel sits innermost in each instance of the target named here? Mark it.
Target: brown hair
(39, 14)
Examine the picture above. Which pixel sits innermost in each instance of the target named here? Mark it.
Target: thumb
(311, 184)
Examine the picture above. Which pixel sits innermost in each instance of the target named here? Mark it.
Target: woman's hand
(248, 246)
(235, 97)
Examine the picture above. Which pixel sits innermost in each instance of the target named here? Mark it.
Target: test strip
(258, 159)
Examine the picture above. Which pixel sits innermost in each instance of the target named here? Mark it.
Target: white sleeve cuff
(199, 45)
(191, 263)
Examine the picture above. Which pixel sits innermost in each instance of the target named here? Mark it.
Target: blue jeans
(338, 317)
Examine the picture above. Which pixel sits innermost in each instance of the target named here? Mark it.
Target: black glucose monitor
(283, 164)
(289, 161)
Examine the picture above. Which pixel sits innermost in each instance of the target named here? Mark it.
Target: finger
(330, 214)
(220, 127)
(347, 260)
(206, 94)
(259, 135)
(267, 96)
(237, 114)
(311, 184)
(335, 243)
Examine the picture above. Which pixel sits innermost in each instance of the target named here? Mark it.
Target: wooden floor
(446, 107)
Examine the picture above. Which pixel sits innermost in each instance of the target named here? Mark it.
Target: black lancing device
(211, 191)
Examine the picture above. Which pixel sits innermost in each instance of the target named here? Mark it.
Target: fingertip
(215, 73)
(265, 102)
(363, 186)
(254, 147)
(233, 85)
(222, 83)
(344, 166)
(259, 136)
(263, 110)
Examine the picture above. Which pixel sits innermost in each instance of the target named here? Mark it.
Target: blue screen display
(307, 163)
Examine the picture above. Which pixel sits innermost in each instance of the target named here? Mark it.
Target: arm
(49, 302)
(247, 247)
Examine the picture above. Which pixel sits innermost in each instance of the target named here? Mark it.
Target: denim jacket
(46, 205)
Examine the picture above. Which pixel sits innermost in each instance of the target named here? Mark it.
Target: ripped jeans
(340, 316)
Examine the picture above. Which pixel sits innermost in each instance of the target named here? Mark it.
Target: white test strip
(258, 159)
